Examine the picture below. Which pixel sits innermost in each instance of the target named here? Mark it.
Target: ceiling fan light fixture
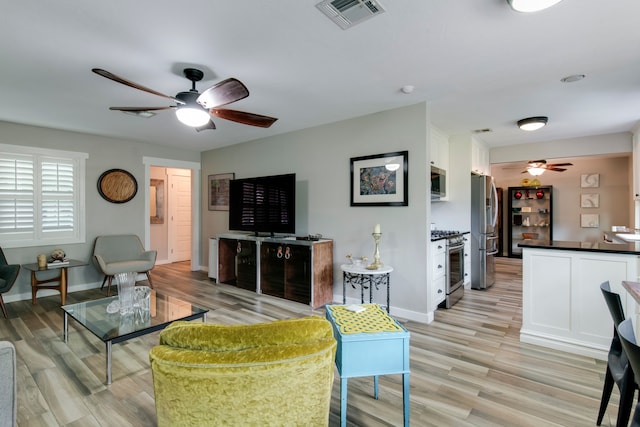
(528, 6)
(192, 116)
(535, 171)
(532, 123)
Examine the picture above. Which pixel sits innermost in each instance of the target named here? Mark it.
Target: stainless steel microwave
(438, 183)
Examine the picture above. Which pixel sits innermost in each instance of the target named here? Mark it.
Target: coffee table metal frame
(94, 317)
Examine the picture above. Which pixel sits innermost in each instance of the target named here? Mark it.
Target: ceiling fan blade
(223, 93)
(556, 169)
(541, 162)
(244, 118)
(111, 76)
(560, 164)
(209, 125)
(141, 108)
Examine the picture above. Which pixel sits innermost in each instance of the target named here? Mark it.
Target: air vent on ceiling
(347, 13)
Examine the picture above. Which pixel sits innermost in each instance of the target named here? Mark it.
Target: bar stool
(618, 368)
(628, 340)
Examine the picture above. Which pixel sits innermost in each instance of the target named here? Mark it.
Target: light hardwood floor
(468, 367)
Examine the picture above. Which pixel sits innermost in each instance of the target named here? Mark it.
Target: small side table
(365, 278)
(62, 278)
(370, 343)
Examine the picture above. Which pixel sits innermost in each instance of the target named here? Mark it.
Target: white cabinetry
(480, 157)
(467, 260)
(562, 305)
(438, 271)
(439, 149)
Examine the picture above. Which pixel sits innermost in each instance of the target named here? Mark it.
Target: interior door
(180, 218)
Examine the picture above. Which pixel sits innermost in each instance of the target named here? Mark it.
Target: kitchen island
(562, 305)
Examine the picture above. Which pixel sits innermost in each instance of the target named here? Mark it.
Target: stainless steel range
(455, 265)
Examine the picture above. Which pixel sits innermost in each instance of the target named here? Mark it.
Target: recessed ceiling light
(407, 89)
(572, 78)
(532, 123)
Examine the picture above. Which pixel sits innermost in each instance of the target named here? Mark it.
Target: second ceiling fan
(194, 108)
(537, 167)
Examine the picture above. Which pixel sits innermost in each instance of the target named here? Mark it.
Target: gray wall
(102, 217)
(320, 157)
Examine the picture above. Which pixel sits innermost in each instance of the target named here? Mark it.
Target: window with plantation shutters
(41, 196)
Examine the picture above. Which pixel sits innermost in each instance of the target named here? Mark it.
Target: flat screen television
(265, 204)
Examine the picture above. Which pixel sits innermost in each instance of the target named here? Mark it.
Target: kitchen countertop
(633, 288)
(603, 247)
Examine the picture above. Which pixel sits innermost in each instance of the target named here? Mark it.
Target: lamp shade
(194, 116)
(535, 171)
(532, 123)
(531, 5)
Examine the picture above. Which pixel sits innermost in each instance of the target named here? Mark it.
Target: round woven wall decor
(117, 186)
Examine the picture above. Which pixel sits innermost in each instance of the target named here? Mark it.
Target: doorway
(174, 229)
(170, 231)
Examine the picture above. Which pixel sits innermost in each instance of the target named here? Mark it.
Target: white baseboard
(48, 292)
(562, 344)
(396, 312)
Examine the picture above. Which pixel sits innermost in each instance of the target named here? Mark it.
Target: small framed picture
(589, 220)
(590, 180)
(219, 191)
(380, 180)
(590, 200)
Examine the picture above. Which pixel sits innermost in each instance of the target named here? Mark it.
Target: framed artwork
(219, 191)
(591, 200)
(589, 220)
(380, 180)
(590, 180)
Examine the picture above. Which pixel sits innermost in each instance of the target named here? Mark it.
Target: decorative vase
(126, 283)
(518, 195)
(539, 194)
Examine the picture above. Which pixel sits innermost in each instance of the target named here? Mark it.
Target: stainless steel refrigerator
(484, 236)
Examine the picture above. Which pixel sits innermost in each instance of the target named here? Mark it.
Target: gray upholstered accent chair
(122, 253)
(8, 392)
(8, 276)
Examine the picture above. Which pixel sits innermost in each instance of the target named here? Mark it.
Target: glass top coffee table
(113, 328)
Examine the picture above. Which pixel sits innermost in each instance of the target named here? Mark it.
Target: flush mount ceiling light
(532, 123)
(531, 5)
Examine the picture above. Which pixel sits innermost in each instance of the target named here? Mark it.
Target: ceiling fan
(195, 109)
(537, 167)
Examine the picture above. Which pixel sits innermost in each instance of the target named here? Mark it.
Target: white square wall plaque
(589, 220)
(590, 180)
(590, 200)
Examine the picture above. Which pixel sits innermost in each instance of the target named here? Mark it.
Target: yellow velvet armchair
(278, 373)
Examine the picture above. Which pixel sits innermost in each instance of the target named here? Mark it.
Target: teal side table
(370, 343)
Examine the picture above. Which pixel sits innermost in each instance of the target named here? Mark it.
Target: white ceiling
(478, 63)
